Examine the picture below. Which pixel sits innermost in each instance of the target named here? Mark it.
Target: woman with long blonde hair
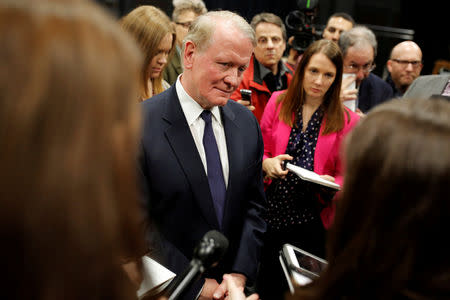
(152, 30)
(69, 126)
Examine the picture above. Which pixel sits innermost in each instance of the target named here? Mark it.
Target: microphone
(206, 254)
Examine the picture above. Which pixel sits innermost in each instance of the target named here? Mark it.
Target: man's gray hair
(202, 29)
(358, 36)
(269, 18)
(198, 7)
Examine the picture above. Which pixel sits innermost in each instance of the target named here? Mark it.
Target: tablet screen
(309, 263)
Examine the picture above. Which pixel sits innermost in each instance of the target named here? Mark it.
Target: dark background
(391, 20)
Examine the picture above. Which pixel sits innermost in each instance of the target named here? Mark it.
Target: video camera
(300, 24)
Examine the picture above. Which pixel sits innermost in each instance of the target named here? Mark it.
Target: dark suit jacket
(176, 190)
(373, 91)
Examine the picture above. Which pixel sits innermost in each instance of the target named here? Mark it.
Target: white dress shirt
(192, 111)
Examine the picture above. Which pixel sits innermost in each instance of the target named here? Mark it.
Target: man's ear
(389, 65)
(190, 51)
(291, 40)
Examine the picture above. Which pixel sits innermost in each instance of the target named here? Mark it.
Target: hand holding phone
(246, 95)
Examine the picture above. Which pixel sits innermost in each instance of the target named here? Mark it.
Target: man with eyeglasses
(359, 48)
(266, 72)
(404, 66)
(184, 13)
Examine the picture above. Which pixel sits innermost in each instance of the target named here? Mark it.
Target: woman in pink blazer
(305, 125)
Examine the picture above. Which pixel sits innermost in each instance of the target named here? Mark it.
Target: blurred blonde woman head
(69, 125)
(152, 30)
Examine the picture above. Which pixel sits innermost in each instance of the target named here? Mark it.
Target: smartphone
(303, 266)
(246, 95)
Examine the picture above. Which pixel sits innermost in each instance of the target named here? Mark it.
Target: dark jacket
(373, 91)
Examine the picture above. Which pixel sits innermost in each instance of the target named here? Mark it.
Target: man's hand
(246, 104)
(239, 281)
(208, 290)
(235, 292)
(273, 166)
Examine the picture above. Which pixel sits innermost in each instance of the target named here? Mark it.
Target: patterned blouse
(291, 200)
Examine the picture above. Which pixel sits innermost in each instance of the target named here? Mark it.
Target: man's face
(270, 45)
(405, 64)
(185, 19)
(359, 61)
(211, 75)
(335, 27)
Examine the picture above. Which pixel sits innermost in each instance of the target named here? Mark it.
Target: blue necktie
(214, 166)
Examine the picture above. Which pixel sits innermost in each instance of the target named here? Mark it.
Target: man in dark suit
(184, 196)
(359, 48)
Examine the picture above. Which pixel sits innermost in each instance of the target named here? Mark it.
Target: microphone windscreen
(211, 248)
(220, 240)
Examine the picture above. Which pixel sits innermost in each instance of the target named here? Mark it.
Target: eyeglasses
(354, 68)
(405, 63)
(184, 24)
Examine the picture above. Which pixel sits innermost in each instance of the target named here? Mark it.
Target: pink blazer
(326, 157)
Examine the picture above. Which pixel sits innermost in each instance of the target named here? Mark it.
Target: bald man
(336, 24)
(404, 66)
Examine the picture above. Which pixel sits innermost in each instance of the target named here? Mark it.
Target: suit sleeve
(160, 249)
(254, 226)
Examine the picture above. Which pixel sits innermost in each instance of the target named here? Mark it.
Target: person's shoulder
(351, 118)
(378, 87)
(158, 100)
(237, 108)
(165, 84)
(241, 113)
(276, 94)
(274, 98)
(378, 80)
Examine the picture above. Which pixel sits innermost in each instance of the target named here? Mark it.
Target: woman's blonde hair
(148, 25)
(69, 126)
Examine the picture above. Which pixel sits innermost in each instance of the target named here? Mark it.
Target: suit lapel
(180, 139)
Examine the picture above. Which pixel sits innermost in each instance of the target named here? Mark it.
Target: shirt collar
(263, 71)
(191, 108)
